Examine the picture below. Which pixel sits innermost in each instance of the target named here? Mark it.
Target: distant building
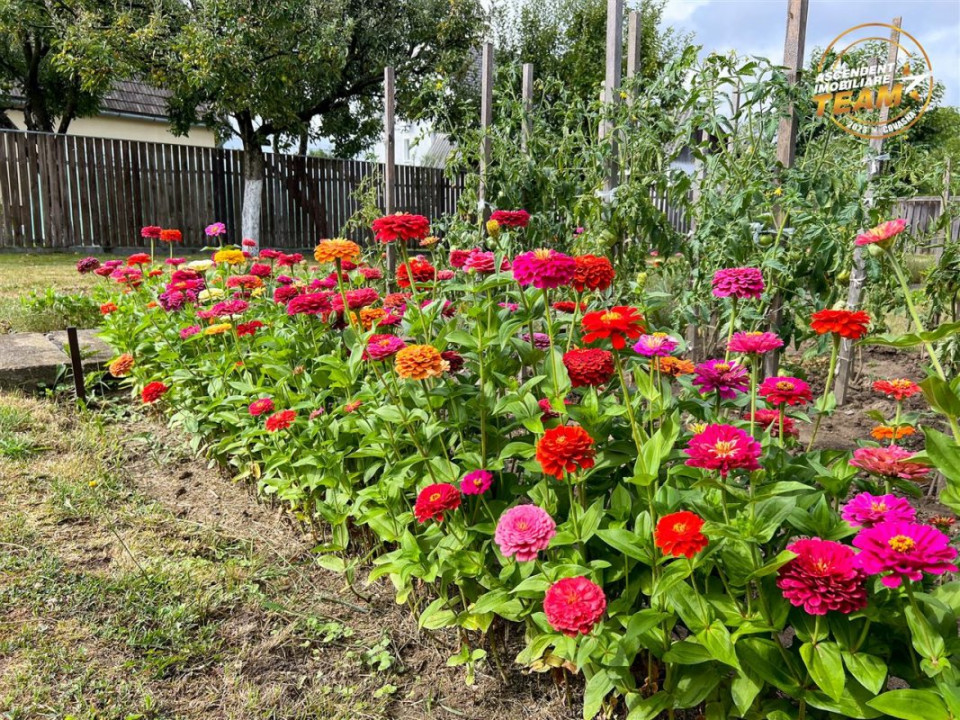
(417, 144)
(132, 110)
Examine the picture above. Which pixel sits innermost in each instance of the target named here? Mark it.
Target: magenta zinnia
(382, 347)
(725, 377)
(723, 448)
(523, 531)
(889, 462)
(754, 343)
(744, 282)
(782, 390)
(544, 269)
(655, 345)
(905, 550)
(476, 482)
(823, 577)
(866, 510)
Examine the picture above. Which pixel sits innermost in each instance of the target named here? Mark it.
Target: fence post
(389, 163)
(858, 274)
(787, 142)
(633, 50)
(486, 121)
(611, 89)
(527, 94)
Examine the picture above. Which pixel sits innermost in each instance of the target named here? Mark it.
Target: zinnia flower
(674, 366)
(543, 269)
(899, 389)
(723, 448)
(454, 360)
(420, 269)
(567, 306)
(588, 366)
(476, 482)
(574, 605)
(435, 500)
(170, 235)
(905, 550)
(356, 299)
(888, 432)
(592, 273)
(458, 258)
(215, 229)
(150, 231)
(138, 259)
(337, 249)
(824, 576)
(153, 391)
(619, 324)
(229, 256)
(523, 531)
(108, 308)
(882, 233)
(419, 362)
(743, 282)
(541, 341)
(87, 265)
(845, 323)
(754, 343)
(655, 345)
(679, 534)
(725, 377)
(122, 366)
(261, 407)
(480, 262)
(770, 420)
(285, 293)
(511, 218)
(381, 347)
(218, 329)
(402, 226)
(280, 421)
(889, 462)
(307, 304)
(249, 328)
(785, 391)
(565, 449)
(189, 331)
(866, 510)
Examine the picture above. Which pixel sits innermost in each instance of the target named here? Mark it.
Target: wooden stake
(527, 93)
(858, 274)
(633, 50)
(486, 121)
(389, 162)
(611, 87)
(76, 361)
(793, 48)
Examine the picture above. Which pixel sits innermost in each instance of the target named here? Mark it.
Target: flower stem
(627, 401)
(733, 321)
(826, 390)
(553, 359)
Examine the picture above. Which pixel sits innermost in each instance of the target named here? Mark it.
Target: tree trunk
(253, 170)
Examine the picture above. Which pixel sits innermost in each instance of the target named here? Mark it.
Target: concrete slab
(31, 359)
(93, 350)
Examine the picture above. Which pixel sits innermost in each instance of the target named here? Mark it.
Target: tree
(59, 59)
(285, 69)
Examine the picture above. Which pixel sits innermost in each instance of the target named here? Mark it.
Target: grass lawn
(21, 274)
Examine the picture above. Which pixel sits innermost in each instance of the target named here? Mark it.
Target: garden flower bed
(508, 439)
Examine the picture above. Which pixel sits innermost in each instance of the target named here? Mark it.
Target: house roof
(133, 97)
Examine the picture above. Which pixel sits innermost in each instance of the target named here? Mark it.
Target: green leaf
(436, 616)
(626, 542)
(716, 638)
(911, 705)
(908, 340)
(825, 666)
(941, 396)
(945, 456)
(598, 687)
(651, 707)
(744, 690)
(869, 670)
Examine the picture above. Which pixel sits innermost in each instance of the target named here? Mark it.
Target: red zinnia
(153, 392)
(592, 273)
(402, 226)
(723, 448)
(138, 259)
(420, 269)
(261, 407)
(565, 449)
(785, 391)
(679, 534)
(434, 500)
(281, 420)
(171, 236)
(898, 389)
(574, 605)
(150, 231)
(824, 576)
(248, 328)
(511, 218)
(845, 323)
(618, 324)
(588, 366)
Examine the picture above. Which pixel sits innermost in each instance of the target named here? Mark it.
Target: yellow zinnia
(229, 256)
(217, 329)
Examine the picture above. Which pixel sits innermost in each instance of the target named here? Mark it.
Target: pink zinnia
(356, 299)
(882, 232)
(574, 605)
(824, 576)
(458, 258)
(476, 482)
(261, 407)
(215, 229)
(655, 345)
(866, 510)
(890, 462)
(904, 550)
(189, 331)
(725, 377)
(309, 304)
(723, 448)
(544, 269)
(371, 273)
(783, 390)
(523, 531)
(770, 420)
(754, 343)
(382, 347)
(480, 262)
(744, 282)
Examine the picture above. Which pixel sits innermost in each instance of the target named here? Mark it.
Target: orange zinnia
(674, 366)
(565, 449)
(419, 362)
(122, 365)
(618, 324)
(369, 316)
(886, 432)
(336, 249)
(845, 323)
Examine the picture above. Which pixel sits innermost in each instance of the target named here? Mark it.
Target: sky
(758, 27)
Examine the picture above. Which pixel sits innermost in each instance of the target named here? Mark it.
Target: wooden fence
(921, 213)
(61, 191)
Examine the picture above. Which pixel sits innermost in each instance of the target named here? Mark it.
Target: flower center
(522, 525)
(542, 254)
(610, 316)
(722, 367)
(878, 507)
(784, 385)
(572, 598)
(660, 335)
(725, 448)
(821, 566)
(435, 497)
(477, 482)
(901, 543)
(754, 333)
(680, 528)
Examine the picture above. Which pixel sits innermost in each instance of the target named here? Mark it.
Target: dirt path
(137, 583)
